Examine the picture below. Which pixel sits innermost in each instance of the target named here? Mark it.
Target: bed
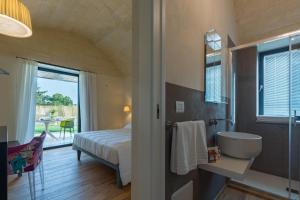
(110, 147)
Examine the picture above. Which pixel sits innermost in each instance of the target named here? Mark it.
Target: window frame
(260, 93)
(57, 71)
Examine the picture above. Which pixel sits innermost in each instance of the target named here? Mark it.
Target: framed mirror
(214, 68)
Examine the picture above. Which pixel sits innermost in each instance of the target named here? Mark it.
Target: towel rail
(170, 124)
(211, 122)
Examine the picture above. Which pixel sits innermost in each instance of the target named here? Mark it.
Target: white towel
(189, 147)
(202, 153)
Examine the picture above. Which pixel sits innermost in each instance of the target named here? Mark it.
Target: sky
(56, 86)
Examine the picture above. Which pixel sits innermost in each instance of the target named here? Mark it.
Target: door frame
(148, 136)
(74, 74)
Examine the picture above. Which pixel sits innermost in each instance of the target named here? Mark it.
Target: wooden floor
(234, 194)
(66, 178)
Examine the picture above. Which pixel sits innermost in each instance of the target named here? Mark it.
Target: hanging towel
(202, 153)
(184, 152)
(189, 147)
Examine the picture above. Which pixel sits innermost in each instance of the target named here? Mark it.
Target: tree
(59, 99)
(40, 96)
(67, 101)
(56, 99)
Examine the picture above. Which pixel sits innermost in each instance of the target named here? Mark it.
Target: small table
(46, 123)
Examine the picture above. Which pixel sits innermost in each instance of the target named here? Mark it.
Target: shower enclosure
(294, 111)
(265, 100)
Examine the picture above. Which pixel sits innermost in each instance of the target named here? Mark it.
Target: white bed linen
(111, 145)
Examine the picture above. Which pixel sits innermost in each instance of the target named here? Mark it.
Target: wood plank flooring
(233, 194)
(240, 193)
(66, 178)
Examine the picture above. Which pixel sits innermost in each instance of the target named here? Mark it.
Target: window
(213, 83)
(274, 82)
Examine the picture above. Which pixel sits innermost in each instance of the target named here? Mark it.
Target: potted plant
(52, 112)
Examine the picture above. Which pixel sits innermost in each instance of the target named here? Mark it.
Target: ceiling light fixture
(15, 19)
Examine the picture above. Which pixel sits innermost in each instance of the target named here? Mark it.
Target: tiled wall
(206, 185)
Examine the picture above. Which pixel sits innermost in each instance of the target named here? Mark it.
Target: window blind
(276, 83)
(213, 84)
(296, 81)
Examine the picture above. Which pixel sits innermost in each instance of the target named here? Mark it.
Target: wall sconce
(126, 109)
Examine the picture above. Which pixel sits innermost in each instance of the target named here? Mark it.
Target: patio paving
(58, 140)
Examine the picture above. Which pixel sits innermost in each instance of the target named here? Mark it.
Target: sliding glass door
(278, 108)
(57, 105)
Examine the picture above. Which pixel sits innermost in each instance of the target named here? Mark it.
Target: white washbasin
(239, 145)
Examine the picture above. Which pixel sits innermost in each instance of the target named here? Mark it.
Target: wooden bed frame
(102, 161)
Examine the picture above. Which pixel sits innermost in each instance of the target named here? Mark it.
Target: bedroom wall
(186, 24)
(68, 50)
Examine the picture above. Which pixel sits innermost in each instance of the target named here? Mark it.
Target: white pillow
(128, 125)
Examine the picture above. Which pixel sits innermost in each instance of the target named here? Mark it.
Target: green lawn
(39, 128)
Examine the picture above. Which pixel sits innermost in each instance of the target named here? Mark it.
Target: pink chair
(25, 159)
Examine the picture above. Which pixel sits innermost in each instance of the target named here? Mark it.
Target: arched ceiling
(107, 23)
(259, 19)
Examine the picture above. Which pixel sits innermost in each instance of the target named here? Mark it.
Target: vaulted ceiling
(106, 23)
(259, 19)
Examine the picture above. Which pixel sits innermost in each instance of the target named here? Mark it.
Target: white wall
(68, 50)
(186, 24)
(113, 96)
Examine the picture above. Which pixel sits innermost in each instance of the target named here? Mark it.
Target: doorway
(57, 105)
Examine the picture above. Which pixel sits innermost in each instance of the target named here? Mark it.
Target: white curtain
(25, 101)
(88, 101)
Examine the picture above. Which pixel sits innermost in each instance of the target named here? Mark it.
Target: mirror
(214, 68)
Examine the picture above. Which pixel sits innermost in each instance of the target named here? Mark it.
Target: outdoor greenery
(56, 99)
(40, 127)
(56, 107)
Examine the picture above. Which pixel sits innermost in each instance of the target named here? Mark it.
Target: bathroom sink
(239, 145)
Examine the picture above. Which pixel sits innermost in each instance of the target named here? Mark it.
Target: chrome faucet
(214, 122)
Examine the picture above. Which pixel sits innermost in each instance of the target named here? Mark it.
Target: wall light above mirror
(214, 40)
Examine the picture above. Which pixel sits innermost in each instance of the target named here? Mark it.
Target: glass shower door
(294, 113)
